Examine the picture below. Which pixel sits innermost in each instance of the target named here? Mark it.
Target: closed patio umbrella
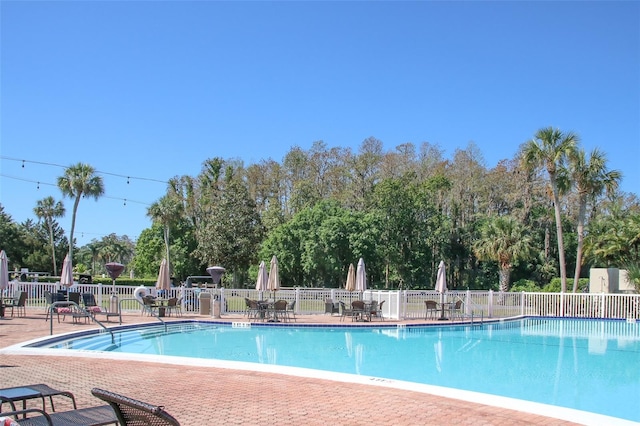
(361, 277)
(350, 286)
(4, 270)
(164, 276)
(441, 286)
(4, 278)
(66, 276)
(274, 277)
(262, 282)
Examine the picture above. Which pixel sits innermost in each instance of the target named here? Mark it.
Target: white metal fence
(402, 304)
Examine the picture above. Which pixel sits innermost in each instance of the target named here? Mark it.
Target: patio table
(16, 394)
(364, 312)
(24, 393)
(267, 312)
(161, 304)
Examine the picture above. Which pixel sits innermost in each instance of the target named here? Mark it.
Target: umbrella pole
(442, 317)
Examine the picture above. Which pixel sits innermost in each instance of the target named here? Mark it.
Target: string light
(38, 183)
(129, 178)
(50, 184)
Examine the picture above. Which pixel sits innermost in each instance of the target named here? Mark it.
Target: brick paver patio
(199, 396)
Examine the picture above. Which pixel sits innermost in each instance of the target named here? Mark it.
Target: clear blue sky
(152, 89)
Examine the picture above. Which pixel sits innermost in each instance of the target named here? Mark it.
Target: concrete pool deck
(198, 395)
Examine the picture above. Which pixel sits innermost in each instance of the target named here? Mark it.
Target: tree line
(549, 210)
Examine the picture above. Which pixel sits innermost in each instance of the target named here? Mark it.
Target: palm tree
(503, 240)
(166, 211)
(591, 178)
(94, 248)
(48, 210)
(549, 150)
(633, 273)
(79, 180)
(614, 239)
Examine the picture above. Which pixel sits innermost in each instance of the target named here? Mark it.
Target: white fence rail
(403, 304)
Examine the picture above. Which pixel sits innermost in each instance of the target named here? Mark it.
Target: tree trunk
(581, 215)
(53, 250)
(505, 276)
(73, 225)
(556, 207)
(166, 241)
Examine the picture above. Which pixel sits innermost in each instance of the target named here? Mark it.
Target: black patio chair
(20, 302)
(90, 305)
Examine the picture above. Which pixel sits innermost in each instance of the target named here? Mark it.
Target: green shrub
(556, 285)
(525, 285)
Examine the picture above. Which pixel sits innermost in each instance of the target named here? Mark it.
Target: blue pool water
(586, 365)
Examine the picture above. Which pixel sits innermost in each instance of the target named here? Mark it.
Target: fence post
(99, 294)
(223, 303)
(522, 296)
(490, 304)
(602, 305)
(400, 304)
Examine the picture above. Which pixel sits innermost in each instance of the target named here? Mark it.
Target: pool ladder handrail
(464, 301)
(146, 308)
(66, 304)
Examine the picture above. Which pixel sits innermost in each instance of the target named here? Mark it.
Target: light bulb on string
(38, 186)
(23, 164)
(125, 201)
(127, 180)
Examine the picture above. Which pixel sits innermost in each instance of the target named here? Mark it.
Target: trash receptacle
(204, 299)
(216, 306)
(113, 303)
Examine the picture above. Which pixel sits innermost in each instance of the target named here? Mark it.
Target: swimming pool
(586, 365)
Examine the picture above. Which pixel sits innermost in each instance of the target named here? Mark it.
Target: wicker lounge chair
(174, 305)
(455, 310)
(149, 305)
(291, 311)
(280, 310)
(373, 309)
(347, 312)
(131, 412)
(431, 309)
(379, 310)
(253, 309)
(358, 311)
(331, 307)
